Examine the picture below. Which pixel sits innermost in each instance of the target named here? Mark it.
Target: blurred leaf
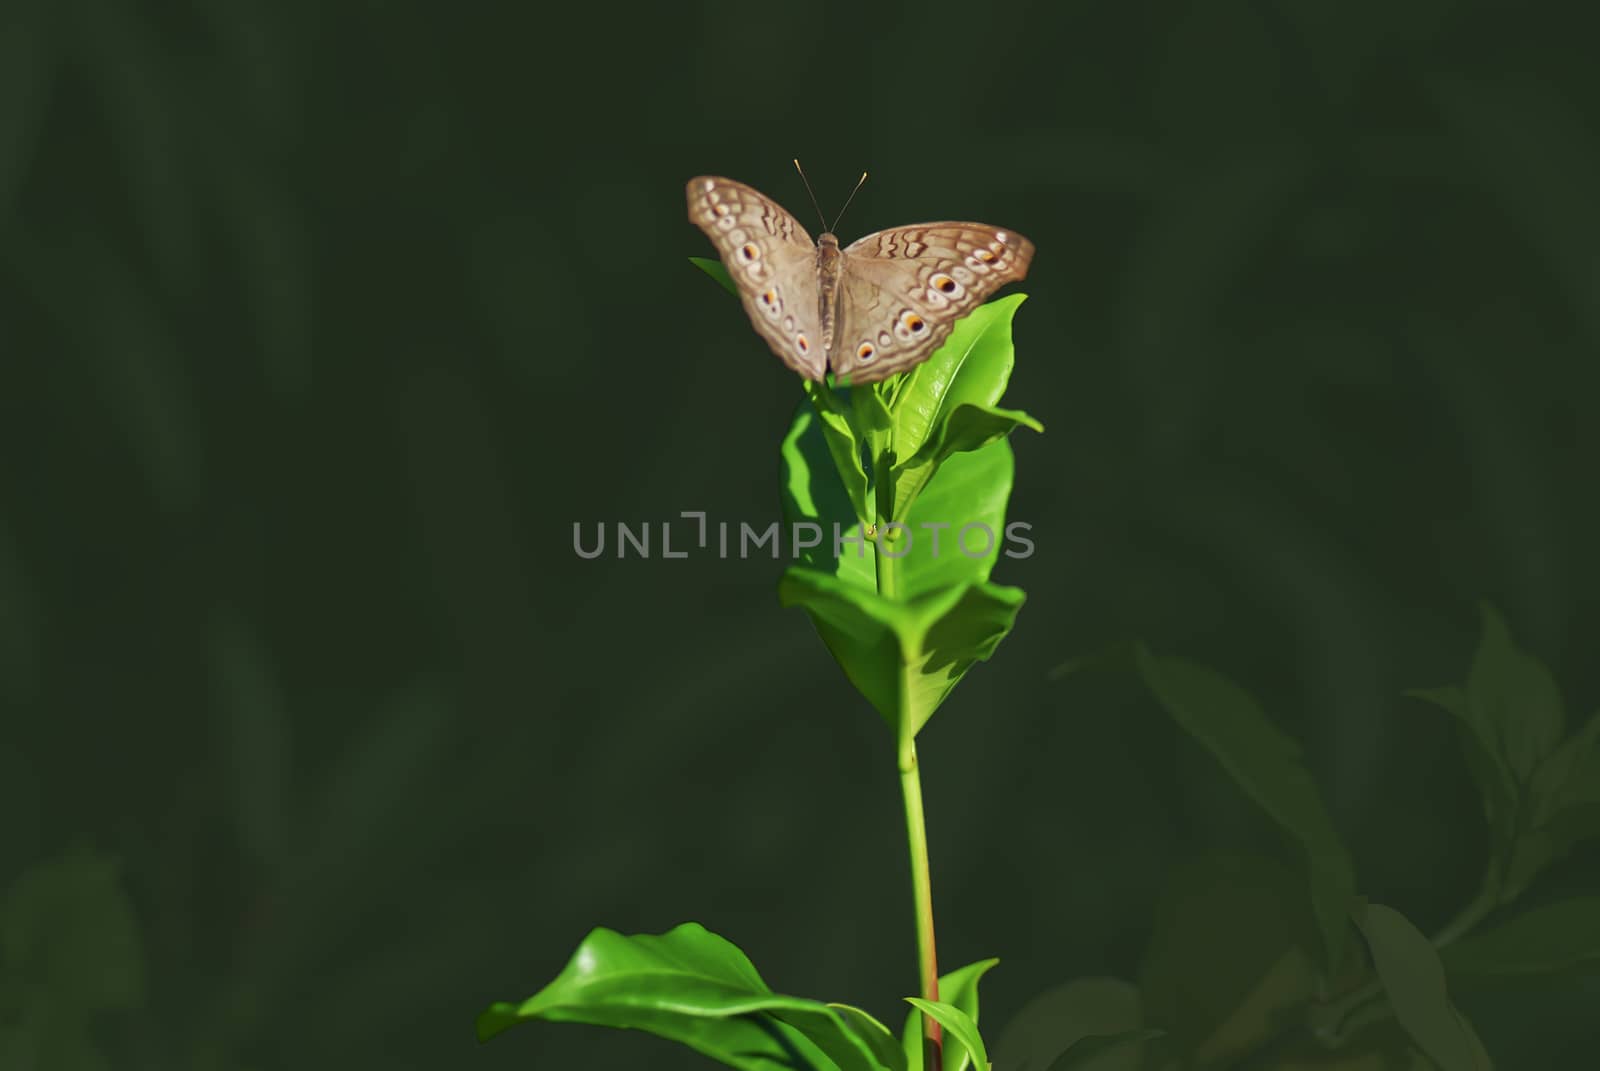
(959, 988)
(1266, 765)
(1570, 777)
(958, 1027)
(1512, 699)
(27, 66)
(691, 986)
(1543, 939)
(67, 926)
(257, 730)
(1414, 979)
(885, 1048)
(1234, 944)
(904, 657)
(1496, 785)
(1053, 1022)
(1085, 1053)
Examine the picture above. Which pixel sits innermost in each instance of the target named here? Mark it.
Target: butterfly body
(869, 310)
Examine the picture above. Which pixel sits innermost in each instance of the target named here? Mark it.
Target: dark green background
(322, 325)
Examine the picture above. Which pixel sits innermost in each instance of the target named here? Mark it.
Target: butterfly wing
(773, 264)
(905, 288)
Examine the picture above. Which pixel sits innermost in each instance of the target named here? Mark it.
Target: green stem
(917, 840)
(922, 895)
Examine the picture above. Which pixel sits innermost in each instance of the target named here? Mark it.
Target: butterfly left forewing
(904, 289)
(773, 264)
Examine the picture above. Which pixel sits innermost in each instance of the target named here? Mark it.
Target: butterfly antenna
(859, 183)
(813, 196)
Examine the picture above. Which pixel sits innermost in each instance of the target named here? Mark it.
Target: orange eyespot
(865, 351)
(944, 283)
(985, 256)
(800, 340)
(915, 323)
(769, 297)
(749, 252)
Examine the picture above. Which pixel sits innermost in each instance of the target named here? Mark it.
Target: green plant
(1252, 964)
(892, 480)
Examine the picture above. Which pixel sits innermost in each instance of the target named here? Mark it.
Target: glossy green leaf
(691, 986)
(1513, 700)
(1053, 1022)
(1266, 764)
(959, 1027)
(1084, 1054)
(884, 1046)
(958, 988)
(717, 271)
(1414, 979)
(903, 656)
(1544, 939)
(969, 427)
(955, 533)
(972, 367)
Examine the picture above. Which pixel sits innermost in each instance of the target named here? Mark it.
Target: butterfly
(877, 307)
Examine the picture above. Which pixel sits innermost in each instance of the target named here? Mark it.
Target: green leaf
(904, 657)
(1085, 1050)
(1545, 939)
(1570, 777)
(884, 1046)
(824, 483)
(955, 533)
(960, 988)
(1266, 764)
(1414, 978)
(1054, 1021)
(969, 427)
(958, 1026)
(972, 367)
(1513, 700)
(717, 271)
(691, 986)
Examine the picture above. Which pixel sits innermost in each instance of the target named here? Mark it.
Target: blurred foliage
(322, 325)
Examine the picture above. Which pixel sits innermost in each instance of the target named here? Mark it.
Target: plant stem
(922, 895)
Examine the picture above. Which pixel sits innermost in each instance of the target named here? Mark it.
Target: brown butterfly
(879, 306)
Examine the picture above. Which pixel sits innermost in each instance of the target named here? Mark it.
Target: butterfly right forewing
(773, 264)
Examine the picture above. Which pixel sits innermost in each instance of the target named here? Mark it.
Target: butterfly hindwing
(773, 264)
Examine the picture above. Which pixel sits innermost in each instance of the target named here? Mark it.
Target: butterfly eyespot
(944, 283)
(865, 352)
(915, 323)
(722, 209)
(800, 340)
(883, 339)
(770, 297)
(726, 222)
(985, 256)
(750, 251)
(788, 323)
